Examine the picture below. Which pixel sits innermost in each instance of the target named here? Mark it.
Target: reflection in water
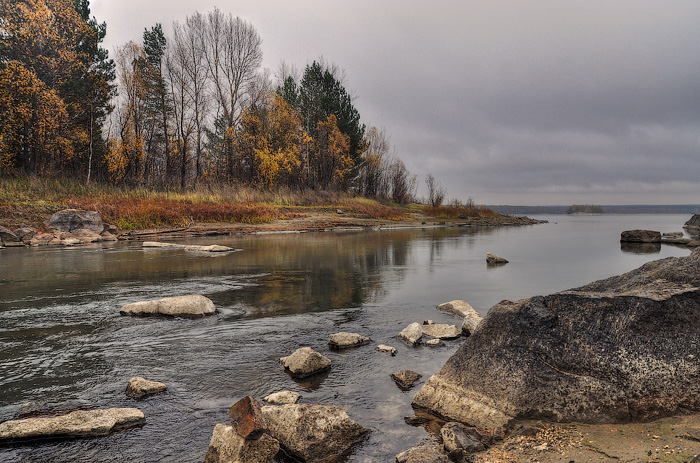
(640, 248)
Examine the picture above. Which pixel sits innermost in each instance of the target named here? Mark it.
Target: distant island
(584, 209)
(608, 209)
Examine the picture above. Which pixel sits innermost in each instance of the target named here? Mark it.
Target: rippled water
(62, 338)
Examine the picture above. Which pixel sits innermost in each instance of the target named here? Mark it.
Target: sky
(502, 101)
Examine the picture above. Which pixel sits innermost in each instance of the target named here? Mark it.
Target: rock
(457, 307)
(640, 236)
(694, 244)
(493, 259)
(14, 244)
(442, 331)
(283, 398)
(428, 322)
(412, 334)
(675, 240)
(471, 323)
(405, 379)
(312, 432)
(7, 236)
(107, 236)
(457, 436)
(211, 248)
(86, 236)
(676, 234)
(41, 239)
(178, 306)
(387, 349)
(344, 340)
(434, 343)
(73, 219)
(25, 234)
(617, 350)
(111, 229)
(139, 387)
(424, 453)
(80, 423)
(227, 446)
(693, 224)
(70, 241)
(305, 362)
(247, 418)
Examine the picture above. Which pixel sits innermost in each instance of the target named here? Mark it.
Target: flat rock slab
(313, 433)
(412, 334)
(139, 387)
(193, 248)
(457, 307)
(282, 398)
(305, 362)
(179, 306)
(227, 446)
(405, 379)
(344, 340)
(81, 423)
(640, 236)
(442, 331)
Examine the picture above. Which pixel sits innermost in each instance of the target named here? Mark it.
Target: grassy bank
(31, 201)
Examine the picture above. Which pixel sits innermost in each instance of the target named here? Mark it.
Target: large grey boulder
(312, 433)
(179, 306)
(74, 219)
(305, 362)
(227, 446)
(626, 348)
(80, 423)
(640, 236)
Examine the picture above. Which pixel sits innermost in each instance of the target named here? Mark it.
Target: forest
(176, 111)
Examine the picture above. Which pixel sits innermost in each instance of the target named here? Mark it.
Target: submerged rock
(405, 379)
(80, 423)
(493, 259)
(139, 387)
(227, 446)
(190, 305)
(74, 219)
(313, 432)
(305, 362)
(640, 236)
(412, 334)
(442, 331)
(345, 340)
(387, 349)
(282, 398)
(621, 349)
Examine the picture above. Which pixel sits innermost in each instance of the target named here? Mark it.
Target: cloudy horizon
(505, 102)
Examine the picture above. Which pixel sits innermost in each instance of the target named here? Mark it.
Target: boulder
(74, 219)
(405, 379)
(457, 436)
(442, 331)
(227, 446)
(457, 307)
(282, 398)
(493, 259)
(80, 423)
(693, 224)
(344, 340)
(312, 433)
(41, 239)
(387, 349)
(412, 334)
(247, 418)
(424, 453)
(7, 236)
(25, 234)
(621, 349)
(178, 306)
(86, 236)
(305, 362)
(640, 236)
(139, 387)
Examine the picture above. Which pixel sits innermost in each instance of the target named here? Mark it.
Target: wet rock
(282, 398)
(139, 387)
(70, 241)
(640, 236)
(412, 334)
(457, 307)
(442, 331)
(80, 423)
(616, 350)
(676, 234)
(227, 446)
(178, 306)
(74, 219)
(86, 236)
(405, 379)
(387, 349)
(313, 432)
(210, 248)
(493, 259)
(675, 240)
(305, 362)
(344, 340)
(424, 453)
(457, 436)
(693, 225)
(434, 343)
(247, 418)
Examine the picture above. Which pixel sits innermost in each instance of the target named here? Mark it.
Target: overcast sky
(504, 101)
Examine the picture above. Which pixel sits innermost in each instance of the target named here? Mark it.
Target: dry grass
(451, 212)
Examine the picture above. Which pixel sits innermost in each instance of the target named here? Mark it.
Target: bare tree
(403, 185)
(436, 193)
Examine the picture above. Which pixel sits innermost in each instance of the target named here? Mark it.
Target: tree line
(177, 110)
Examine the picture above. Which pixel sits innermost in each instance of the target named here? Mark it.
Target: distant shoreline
(689, 209)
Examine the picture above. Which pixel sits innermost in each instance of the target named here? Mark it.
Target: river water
(62, 338)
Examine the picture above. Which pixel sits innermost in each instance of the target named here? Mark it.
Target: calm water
(62, 338)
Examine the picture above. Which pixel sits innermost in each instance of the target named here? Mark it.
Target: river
(62, 338)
